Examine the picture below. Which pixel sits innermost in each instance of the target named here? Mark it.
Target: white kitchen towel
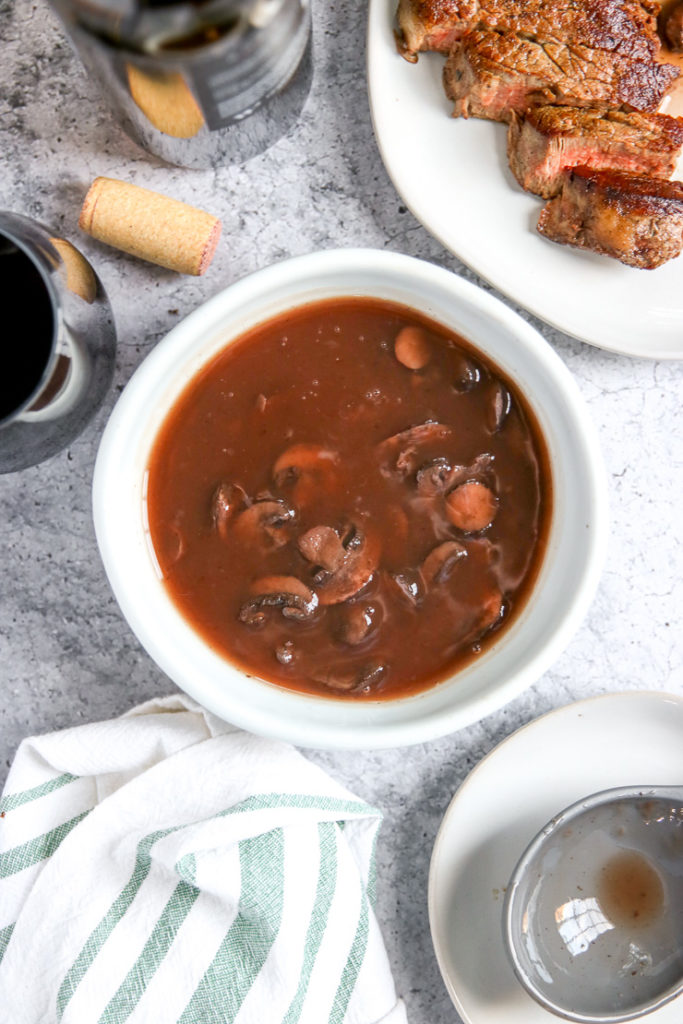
(166, 867)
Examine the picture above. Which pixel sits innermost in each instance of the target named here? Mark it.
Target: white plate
(617, 740)
(453, 175)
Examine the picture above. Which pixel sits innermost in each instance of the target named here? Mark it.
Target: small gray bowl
(593, 915)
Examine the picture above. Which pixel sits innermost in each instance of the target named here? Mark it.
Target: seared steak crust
(635, 219)
(548, 140)
(627, 27)
(579, 81)
(492, 75)
(432, 24)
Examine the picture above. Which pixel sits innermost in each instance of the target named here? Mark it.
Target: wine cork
(166, 101)
(150, 226)
(78, 275)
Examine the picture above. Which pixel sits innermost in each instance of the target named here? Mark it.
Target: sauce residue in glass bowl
(350, 500)
(630, 890)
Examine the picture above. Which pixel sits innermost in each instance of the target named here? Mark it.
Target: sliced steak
(492, 75)
(635, 219)
(673, 28)
(432, 24)
(628, 27)
(549, 140)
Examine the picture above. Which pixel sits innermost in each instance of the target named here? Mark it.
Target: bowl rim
(312, 724)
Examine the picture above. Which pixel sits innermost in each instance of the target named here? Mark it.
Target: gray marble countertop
(66, 653)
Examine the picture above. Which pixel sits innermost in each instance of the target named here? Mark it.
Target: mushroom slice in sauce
(408, 585)
(225, 501)
(436, 477)
(358, 621)
(401, 452)
(322, 546)
(441, 560)
(412, 347)
(267, 521)
(499, 405)
(480, 465)
(361, 558)
(439, 476)
(287, 593)
(302, 458)
(359, 678)
(308, 469)
(471, 506)
(493, 611)
(466, 373)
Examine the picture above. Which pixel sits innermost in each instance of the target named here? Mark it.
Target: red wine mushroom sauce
(350, 501)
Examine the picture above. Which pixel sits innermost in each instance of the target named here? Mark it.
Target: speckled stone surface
(66, 654)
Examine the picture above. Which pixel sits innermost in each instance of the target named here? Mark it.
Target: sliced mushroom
(439, 476)
(322, 546)
(412, 347)
(370, 675)
(225, 501)
(441, 560)
(302, 458)
(267, 522)
(359, 678)
(289, 594)
(466, 373)
(361, 558)
(436, 477)
(358, 621)
(499, 404)
(493, 610)
(401, 453)
(307, 469)
(480, 465)
(471, 507)
(408, 585)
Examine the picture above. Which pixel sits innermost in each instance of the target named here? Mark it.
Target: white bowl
(565, 584)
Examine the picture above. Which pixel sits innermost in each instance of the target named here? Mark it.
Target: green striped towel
(165, 867)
